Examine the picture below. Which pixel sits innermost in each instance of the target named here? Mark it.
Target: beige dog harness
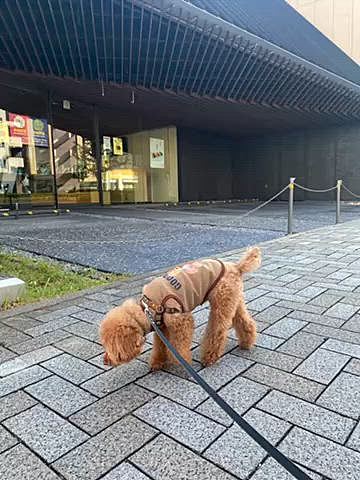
(183, 288)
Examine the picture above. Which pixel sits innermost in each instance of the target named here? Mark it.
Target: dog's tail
(251, 260)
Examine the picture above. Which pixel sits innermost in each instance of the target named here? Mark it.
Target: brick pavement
(64, 415)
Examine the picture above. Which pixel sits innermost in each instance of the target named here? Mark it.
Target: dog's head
(122, 333)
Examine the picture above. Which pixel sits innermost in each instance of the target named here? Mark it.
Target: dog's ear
(125, 345)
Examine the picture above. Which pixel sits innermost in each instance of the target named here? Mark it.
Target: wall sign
(157, 153)
(40, 132)
(19, 127)
(118, 146)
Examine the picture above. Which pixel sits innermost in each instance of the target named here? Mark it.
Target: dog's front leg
(159, 354)
(181, 330)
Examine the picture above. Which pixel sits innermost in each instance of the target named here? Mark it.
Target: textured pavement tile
(254, 293)
(10, 336)
(261, 303)
(322, 366)
(343, 347)
(5, 354)
(201, 317)
(304, 307)
(84, 330)
(15, 403)
(268, 357)
(285, 382)
(178, 389)
(324, 456)
(301, 344)
(271, 470)
(175, 462)
(80, 347)
(50, 326)
(227, 368)
(353, 324)
(239, 454)
(101, 414)
(330, 332)
(241, 394)
(285, 328)
(354, 440)
(289, 277)
(343, 395)
(21, 322)
(89, 316)
(267, 341)
(186, 426)
(21, 379)
(326, 300)
(342, 310)
(104, 451)
(98, 361)
(45, 433)
(58, 313)
(115, 378)
(6, 440)
(60, 395)
(19, 463)
(96, 306)
(353, 367)
(315, 318)
(27, 360)
(72, 368)
(311, 292)
(38, 342)
(125, 471)
(306, 415)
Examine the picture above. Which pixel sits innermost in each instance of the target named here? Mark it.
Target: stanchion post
(291, 205)
(338, 200)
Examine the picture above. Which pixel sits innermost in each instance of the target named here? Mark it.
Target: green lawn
(48, 280)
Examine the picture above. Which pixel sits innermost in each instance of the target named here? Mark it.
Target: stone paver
(102, 452)
(46, 433)
(65, 415)
(20, 463)
(324, 456)
(186, 426)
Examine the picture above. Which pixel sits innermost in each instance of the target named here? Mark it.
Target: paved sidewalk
(65, 416)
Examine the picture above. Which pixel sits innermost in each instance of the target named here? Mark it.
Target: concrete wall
(337, 19)
(212, 167)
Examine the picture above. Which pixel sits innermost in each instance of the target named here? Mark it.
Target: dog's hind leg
(245, 326)
(221, 315)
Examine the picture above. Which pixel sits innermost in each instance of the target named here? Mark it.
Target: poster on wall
(118, 146)
(157, 153)
(19, 127)
(4, 129)
(40, 132)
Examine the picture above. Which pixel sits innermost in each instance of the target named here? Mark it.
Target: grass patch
(46, 280)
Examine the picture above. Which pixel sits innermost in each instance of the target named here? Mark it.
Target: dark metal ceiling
(173, 51)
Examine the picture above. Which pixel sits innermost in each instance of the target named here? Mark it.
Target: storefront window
(141, 167)
(26, 175)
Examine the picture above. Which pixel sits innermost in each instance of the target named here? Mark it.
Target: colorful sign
(40, 132)
(118, 146)
(107, 144)
(157, 153)
(19, 127)
(4, 129)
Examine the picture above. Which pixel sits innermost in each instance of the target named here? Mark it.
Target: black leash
(254, 434)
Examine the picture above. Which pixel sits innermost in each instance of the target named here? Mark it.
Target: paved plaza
(138, 239)
(64, 415)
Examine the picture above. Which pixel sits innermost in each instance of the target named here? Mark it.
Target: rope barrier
(265, 203)
(308, 189)
(351, 193)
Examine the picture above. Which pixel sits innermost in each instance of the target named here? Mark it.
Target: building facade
(131, 101)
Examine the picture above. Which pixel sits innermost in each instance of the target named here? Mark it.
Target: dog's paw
(209, 359)
(155, 366)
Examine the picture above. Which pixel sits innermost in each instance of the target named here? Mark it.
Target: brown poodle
(124, 328)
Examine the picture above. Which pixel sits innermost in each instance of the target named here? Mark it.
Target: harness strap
(157, 310)
(293, 469)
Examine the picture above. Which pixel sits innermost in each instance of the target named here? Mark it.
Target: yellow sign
(118, 146)
(4, 129)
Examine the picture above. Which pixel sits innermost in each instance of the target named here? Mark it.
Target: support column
(51, 146)
(98, 155)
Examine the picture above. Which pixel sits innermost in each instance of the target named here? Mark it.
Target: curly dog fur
(124, 328)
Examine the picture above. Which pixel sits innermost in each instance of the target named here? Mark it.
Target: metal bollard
(338, 200)
(16, 210)
(291, 205)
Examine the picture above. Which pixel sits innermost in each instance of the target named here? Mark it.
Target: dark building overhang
(185, 66)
